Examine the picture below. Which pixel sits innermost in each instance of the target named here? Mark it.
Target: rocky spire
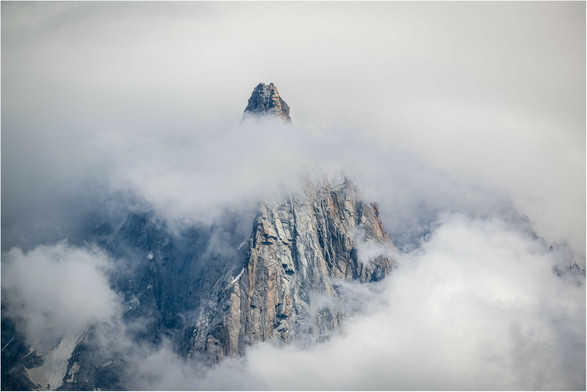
(265, 100)
(291, 282)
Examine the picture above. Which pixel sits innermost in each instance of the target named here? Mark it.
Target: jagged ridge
(288, 284)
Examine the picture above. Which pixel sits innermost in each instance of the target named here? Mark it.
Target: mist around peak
(474, 154)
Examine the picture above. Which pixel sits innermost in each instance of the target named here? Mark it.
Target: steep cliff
(299, 253)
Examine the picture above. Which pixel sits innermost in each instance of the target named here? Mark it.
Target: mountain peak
(265, 100)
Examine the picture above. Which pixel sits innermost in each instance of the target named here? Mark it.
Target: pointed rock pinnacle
(265, 100)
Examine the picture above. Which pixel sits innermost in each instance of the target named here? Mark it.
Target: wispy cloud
(464, 121)
(56, 291)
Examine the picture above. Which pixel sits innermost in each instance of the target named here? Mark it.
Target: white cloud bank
(429, 107)
(57, 291)
(477, 307)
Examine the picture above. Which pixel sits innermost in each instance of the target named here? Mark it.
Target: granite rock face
(265, 100)
(299, 253)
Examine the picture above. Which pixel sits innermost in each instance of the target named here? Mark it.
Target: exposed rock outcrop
(289, 286)
(265, 100)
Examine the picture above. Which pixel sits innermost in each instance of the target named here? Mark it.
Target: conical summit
(265, 100)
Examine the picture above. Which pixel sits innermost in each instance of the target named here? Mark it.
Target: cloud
(477, 307)
(141, 96)
(475, 110)
(57, 291)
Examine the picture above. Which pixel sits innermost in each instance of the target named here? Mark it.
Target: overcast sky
(433, 108)
(493, 92)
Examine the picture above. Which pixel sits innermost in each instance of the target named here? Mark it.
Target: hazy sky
(436, 110)
(493, 92)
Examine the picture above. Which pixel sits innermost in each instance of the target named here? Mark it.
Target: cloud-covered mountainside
(418, 224)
